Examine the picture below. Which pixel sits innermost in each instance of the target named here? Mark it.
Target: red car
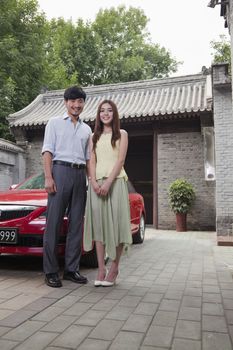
(23, 216)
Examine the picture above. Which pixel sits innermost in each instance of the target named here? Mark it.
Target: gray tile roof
(10, 146)
(156, 98)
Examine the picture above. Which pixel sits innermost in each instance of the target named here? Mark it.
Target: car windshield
(35, 182)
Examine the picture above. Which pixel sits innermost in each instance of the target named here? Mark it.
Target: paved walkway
(175, 292)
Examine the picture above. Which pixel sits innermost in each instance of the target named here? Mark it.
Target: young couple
(70, 153)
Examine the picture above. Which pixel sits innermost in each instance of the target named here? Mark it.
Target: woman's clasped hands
(101, 190)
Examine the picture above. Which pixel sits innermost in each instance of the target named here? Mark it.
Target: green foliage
(7, 93)
(114, 48)
(22, 35)
(36, 53)
(222, 50)
(125, 50)
(181, 196)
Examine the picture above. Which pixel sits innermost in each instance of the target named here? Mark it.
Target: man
(66, 159)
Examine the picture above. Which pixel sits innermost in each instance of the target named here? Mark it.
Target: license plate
(8, 235)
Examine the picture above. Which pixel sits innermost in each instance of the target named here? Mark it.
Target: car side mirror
(13, 186)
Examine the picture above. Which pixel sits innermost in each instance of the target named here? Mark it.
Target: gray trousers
(71, 194)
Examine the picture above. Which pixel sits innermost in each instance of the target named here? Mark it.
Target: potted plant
(181, 197)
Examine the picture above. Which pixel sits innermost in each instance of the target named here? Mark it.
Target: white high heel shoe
(110, 283)
(98, 283)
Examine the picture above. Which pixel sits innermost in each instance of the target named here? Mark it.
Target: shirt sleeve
(87, 150)
(49, 138)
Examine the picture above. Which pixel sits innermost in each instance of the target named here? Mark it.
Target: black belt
(71, 165)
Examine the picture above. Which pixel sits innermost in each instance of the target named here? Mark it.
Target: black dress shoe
(52, 280)
(74, 277)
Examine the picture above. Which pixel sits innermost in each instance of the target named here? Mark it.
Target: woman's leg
(100, 257)
(114, 269)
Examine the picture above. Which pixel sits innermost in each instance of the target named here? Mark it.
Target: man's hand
(50, 186)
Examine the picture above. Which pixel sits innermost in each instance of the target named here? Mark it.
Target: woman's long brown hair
(99, 126)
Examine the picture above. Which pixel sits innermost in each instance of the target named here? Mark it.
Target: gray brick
(196, 292)
(165, 318)
(106, 330)
(212, 298)
(212, 309)
(48, 314)
(216, 341)
(228, 304)
(211, 289)
(72, 336)
(214, 324)
(159, 336)
(191, 301)
(120, 313)
(37, 341)
(94, 344)
(40, 304)
(152, 298)
(186, 344)
(169, 305)
(190, 313)
(146, 309)
(127, 341)
(188, 329)
(23, 331)
(90, 318)
(77, 309)
(130, 301)
(105, 305)
(137, 323)
(59, 324)
(116, 294)
(17, 318)
(227, 294)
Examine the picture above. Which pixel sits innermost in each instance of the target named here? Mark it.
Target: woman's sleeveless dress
(107, 219)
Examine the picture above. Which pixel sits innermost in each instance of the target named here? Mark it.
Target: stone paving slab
(175, 292)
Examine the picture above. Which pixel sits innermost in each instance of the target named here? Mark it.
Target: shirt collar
(66, 116)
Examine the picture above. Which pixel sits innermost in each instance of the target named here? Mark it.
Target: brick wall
(223, 121)
(12, 164)
(181, 155)
(34, 158)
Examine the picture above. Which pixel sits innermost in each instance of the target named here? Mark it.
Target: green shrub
(181, 196)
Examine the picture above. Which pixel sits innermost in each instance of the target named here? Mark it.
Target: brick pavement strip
(175, 292)
(23, 331)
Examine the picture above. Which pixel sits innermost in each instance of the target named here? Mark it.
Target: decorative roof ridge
(8, 145)
(13, 116)
(144, 97)
(149, 83)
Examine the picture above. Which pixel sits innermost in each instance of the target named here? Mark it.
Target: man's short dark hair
(74, 92)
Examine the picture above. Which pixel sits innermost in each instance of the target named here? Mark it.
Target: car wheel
(139, 236)
(89, 259)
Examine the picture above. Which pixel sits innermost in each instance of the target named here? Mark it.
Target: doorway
(139, 167)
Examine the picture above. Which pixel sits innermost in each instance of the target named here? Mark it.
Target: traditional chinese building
(223, 121)
(171, 135)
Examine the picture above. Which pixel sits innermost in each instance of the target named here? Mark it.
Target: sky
(184, 27)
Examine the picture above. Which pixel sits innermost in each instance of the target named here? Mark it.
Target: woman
(107, 218)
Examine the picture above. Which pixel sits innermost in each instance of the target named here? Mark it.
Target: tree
(22, 35)
(115, 47)
(222, 50)
(36, 53)
(72, 54)
(125, 50)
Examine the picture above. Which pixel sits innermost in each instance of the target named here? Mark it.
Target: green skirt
(107, 219)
